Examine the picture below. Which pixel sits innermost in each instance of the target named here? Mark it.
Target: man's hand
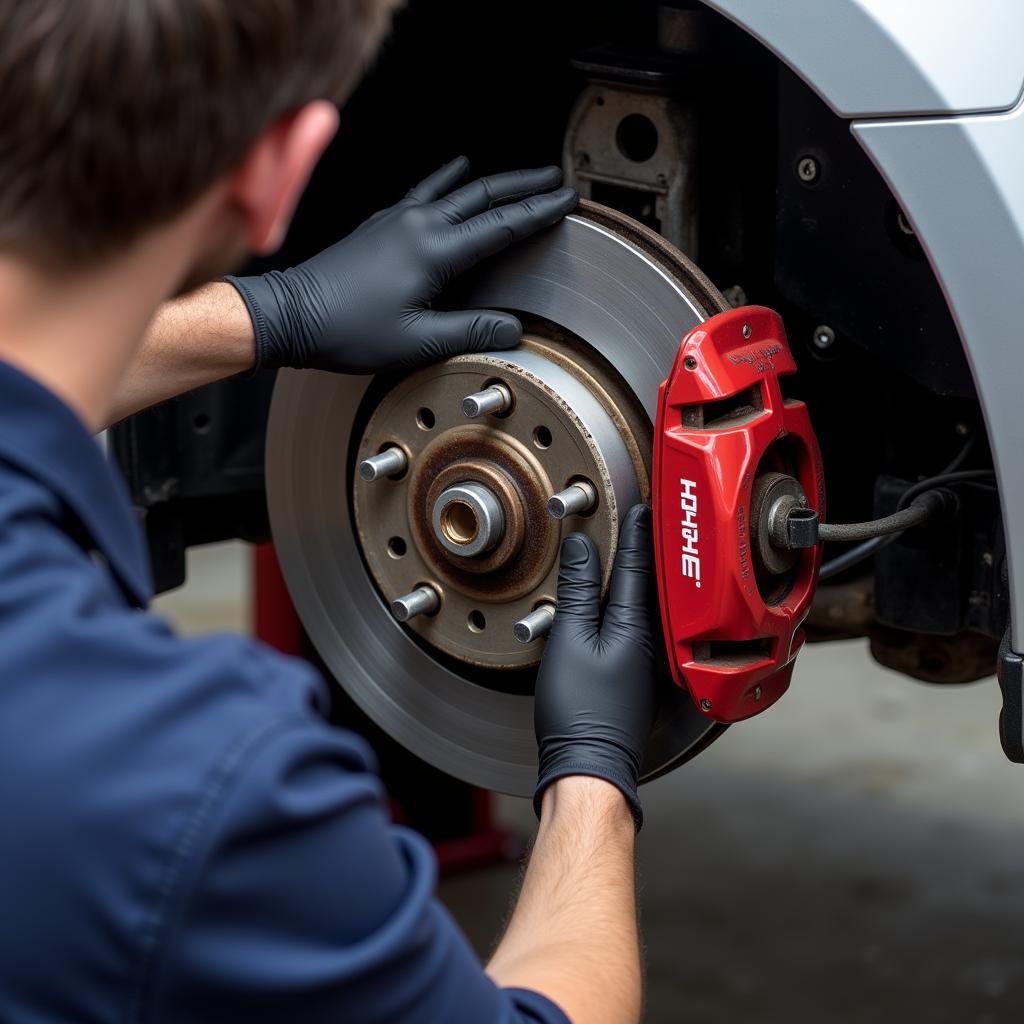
(595, 694)
(364, 304)
(573, 935)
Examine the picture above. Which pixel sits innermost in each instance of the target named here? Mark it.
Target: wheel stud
(391, 462)
(576, 499)
(535, 625)
(489, 402)
(423, 600)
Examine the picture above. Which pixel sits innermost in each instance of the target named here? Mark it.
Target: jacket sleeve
(297, 900)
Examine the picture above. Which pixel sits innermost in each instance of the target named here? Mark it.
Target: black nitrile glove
(595, 695)
(364, 304)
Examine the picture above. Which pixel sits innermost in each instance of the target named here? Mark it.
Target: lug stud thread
(491, 401)
(391, 462)
(535, 625)
(423, 600)
(575, 500)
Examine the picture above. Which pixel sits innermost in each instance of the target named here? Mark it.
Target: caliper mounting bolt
(423, 600)
(575, 500)
(391, 462)
(492, 401)
(535, 625)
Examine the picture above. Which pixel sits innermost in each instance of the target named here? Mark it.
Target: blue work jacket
(183, 836)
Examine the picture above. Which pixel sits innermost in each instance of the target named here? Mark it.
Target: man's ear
(266, 187)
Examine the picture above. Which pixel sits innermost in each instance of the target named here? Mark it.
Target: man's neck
(76, 334)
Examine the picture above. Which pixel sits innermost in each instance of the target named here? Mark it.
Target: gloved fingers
(441, 182)
(482, 194)
(629, 591)
(494, 230)
(467, 330)
(579, 586)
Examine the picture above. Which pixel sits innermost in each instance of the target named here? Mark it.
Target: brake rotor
(605, 303)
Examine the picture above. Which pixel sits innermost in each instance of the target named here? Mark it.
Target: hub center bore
(458, 524)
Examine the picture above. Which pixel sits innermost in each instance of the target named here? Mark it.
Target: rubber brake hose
(876, 542)
(916, 514)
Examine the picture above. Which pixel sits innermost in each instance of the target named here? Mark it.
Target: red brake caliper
(732, 459)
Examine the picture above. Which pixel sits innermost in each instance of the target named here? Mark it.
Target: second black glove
(595, 693)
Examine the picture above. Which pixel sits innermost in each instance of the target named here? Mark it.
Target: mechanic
(185, 837)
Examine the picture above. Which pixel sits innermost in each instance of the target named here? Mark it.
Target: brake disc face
(605, 304)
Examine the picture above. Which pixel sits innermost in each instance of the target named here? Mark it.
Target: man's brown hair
(116, 114)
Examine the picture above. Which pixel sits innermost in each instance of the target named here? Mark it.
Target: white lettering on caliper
(689, 530)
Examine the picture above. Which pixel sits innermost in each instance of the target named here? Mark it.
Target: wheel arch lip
(941, 116)
(921, 62)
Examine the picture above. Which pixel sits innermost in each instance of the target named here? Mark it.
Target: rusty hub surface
(570, 419)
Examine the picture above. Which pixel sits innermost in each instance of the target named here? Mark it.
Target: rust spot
(527, 552)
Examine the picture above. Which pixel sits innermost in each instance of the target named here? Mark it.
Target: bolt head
(758, 693)
(824, 337)
(690, 363)
(705, 705)
(903, 224)
(746, 330)
(807, 169)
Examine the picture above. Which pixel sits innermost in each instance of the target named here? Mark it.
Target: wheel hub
(470, 515)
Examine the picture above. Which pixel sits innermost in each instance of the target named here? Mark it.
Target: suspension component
(737, 473)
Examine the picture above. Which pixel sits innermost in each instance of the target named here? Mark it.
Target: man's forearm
(573, 936)
(197, 339)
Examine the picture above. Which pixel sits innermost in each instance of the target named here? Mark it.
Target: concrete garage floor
(855, 854)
